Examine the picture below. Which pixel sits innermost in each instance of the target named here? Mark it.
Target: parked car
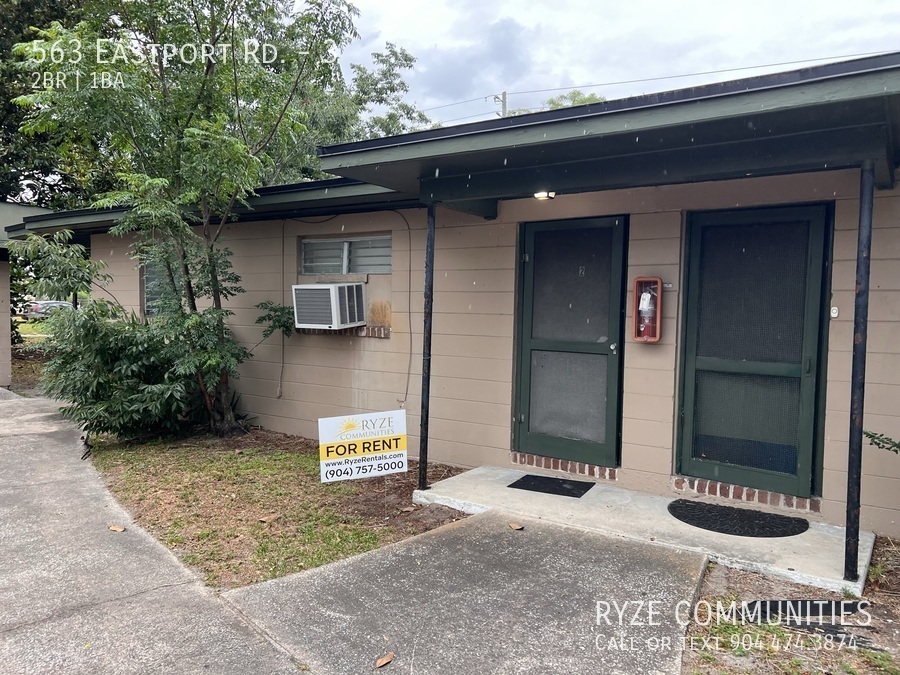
(41, 309)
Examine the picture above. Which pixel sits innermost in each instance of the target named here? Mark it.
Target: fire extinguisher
(647, 311)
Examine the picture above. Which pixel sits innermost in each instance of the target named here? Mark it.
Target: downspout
(426, 350)
(858, 375)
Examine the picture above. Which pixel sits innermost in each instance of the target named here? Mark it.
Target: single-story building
(656, 291)
(10, 214)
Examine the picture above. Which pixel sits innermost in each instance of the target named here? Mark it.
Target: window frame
(345, 253)
(146, 297)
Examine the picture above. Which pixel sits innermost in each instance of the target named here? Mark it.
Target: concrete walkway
(76, 597)
(815, 558)
(474, 597)
(479, 597)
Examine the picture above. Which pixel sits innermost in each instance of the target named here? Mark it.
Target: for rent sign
(359, 446)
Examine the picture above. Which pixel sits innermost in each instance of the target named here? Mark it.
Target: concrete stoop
(815, 558)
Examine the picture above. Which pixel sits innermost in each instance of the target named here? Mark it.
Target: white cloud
(474, 48)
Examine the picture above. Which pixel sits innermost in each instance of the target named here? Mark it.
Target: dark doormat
(552, 486)
(739, 522)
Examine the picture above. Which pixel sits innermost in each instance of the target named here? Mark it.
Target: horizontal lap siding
(474, 327)
(654, 249)
(125, 287)
(326, 375)
(881, 469)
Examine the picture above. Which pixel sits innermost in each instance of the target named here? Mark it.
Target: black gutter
(426, 351)
(689, 94)
(252, 216)
(271, 190)
(387, 203)
(307, 186)
(69, 214)
(858, 375)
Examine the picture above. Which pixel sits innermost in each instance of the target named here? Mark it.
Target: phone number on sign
(373, 469)
(786, 642)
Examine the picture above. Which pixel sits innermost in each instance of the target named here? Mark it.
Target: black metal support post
(858, 375)
(426, 350)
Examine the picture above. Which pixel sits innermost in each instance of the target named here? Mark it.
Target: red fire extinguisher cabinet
(646, 311)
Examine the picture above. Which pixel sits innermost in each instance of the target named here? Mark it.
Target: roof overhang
(318, 198)
(822, 118)
(13, 213)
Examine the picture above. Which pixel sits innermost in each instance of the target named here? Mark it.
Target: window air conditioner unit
(329, 306)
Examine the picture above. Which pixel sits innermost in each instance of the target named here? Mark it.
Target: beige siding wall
(126, 285)
(325, 375)
(881, 469)
(648, 408)
(5, 354)
(289, 383)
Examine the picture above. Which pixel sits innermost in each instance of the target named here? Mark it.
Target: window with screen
(359, 255)
(151, 280)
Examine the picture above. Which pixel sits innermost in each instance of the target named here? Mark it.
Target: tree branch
(290, 99)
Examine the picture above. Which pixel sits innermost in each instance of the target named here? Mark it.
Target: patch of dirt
(390, 500)
(26, 371)
(860, 646)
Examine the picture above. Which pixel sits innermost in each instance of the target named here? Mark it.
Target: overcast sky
(474, 49)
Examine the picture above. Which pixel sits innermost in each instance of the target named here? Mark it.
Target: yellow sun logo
(348, 425)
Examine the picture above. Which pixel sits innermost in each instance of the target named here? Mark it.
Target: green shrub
(131, 377)
(114, 373)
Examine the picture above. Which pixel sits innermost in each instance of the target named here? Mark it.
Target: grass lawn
(242, 510)
(31, 328)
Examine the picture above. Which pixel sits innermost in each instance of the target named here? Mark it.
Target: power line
(648, 79)
(447, 105)
(705, 72)
(468, 117)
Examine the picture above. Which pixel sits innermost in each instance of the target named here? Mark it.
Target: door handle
(612, 348)
(808, 368)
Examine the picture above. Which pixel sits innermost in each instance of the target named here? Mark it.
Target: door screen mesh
(568, 395)
(571, 285)
(747, 420)
(753, 292)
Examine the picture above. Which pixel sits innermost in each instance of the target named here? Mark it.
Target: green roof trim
(326, 197)
(814, 119)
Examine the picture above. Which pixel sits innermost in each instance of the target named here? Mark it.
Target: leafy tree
(567, 100)
(570, 98)
(190, 134)
(370, 105)
(40, 169)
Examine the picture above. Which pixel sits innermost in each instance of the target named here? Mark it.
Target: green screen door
(568, 383)
(752, 326)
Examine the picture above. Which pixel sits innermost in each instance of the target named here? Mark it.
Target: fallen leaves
(270, 518)
(384, 660)
(516, 526)
(116, 528)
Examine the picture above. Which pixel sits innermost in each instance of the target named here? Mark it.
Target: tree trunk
(224, 422)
